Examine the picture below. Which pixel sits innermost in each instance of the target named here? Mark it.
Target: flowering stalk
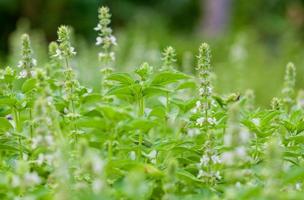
(27, 61)
(66, 51)
(169, 58)
(205, 89)
(106, 40)
(289, 85)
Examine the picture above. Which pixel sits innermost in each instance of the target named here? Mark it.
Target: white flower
(23, 74)
(152, 154)
(256, 121)
(20, 64)
(218, 175)
(201, 91)
(72, 51)
(113, 40)
(97, 185)
(40, 159)
(241, 152)
(58, 54)
(238, 184)
(102, 55)
(211, 120)
(98, 27)
(132, 155)
(33, 73)
(15, 181)
(99, 41)
(204, 160)
(97, 164)
(228, 158)
(298, 186)
(201, 173)
(192, 132)
(34, 62)
(112, 56)
(32, 178)
(200, 121)
(244, 135)
(35, 141)
(198, 104)
(49, 139)
(49, 158)
(215, 159)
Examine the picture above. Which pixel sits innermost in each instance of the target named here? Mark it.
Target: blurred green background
(252, 41)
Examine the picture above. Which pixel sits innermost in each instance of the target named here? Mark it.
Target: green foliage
(154, 133)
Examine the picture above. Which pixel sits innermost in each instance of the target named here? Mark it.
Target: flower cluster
(169, 58)
(105, 38)
(289, 84)
(204, 104)
(27, 61)
(65, 50)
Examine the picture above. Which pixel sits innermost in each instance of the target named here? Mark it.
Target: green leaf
(7, 101)
(186, 85)
(122, 78)
(167, 77)
(154, 90)
(29, 85)
(92, 98)
(113, 113)
(188, 177)
(91, 123)
(7, 147)
(4, 124)
(142, 124)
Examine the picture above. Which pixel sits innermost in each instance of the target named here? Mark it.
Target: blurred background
(251, 41)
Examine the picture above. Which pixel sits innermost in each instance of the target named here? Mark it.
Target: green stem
(31, 125)
(141, 106)
(140, 141)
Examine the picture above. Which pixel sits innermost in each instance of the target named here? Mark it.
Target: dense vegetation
(155, 133)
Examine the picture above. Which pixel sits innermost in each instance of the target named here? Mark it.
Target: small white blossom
(97, 165)
(49, 139)
(152, 154)
(215, 159)
(228, 158)
(211, 120)
(34, 62)
(241, 152)
(32, 178)
(20, 64)
(113, 40)
(40, 159)
(198, 104)
(99, 41)
(200, 121)
(36, 141)
(218, 175)
(97, 185)
(72, 51)
(244, 135)
(298, 186)
(132, 155)
(58, 54)
(201, 173)
(192, 132)
(23, 74)
(204, 161)
(16, 181)
(98, 27)
(256, 121)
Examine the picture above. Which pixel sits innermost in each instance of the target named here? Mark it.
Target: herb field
(151, 133)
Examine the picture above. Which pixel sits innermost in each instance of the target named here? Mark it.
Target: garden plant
(152, 133)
